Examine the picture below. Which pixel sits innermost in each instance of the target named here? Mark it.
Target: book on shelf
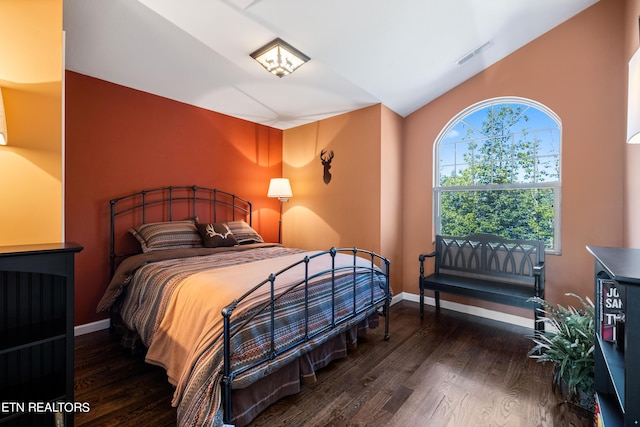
(599, 422)
(611, 308)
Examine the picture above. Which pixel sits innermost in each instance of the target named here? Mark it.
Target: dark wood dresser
(36, 330)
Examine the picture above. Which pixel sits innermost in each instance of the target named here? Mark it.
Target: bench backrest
(486, 255)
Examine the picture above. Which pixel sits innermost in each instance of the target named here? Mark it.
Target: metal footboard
(377, 270)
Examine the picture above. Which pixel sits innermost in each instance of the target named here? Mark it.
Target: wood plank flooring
(446, 370)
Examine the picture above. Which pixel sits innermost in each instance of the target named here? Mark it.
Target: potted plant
(568, 341)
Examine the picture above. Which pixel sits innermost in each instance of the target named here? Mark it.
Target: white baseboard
(87, 328)
(461, 308)
(396, 298)
(474, 311)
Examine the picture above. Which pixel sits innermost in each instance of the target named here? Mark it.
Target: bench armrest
(422, 257)
(538, 272)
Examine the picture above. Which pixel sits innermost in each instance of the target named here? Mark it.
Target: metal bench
(486, 267)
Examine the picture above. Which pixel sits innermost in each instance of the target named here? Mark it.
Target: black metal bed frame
(168, 198)
(211, 197)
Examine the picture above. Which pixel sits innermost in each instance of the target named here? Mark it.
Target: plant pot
(580, 398)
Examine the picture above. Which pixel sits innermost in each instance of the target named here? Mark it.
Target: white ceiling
(401, 53)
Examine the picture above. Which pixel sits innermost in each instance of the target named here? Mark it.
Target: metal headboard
(192, 200)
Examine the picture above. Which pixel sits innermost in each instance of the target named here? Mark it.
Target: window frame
(556, 185)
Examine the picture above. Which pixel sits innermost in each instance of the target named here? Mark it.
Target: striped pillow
(243, 233)
(156, 236)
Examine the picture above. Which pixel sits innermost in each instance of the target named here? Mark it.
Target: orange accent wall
(577, 70)
(120, 140)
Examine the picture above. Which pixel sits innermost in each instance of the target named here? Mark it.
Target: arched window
(497, 170)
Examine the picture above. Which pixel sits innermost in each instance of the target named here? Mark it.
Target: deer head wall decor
(326, 163)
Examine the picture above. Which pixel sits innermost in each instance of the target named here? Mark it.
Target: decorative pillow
(216, 234)
(156, 236)
(243, 233)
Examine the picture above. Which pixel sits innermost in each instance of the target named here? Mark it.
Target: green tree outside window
(498, 171)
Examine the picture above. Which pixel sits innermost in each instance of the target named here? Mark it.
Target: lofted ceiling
(401, 53)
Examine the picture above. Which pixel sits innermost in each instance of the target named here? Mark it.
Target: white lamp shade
(633, 98)
(3, 122)
(280, 188)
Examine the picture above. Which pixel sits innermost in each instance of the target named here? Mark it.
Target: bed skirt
(247, 403)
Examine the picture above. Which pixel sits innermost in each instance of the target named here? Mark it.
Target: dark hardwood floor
(447, 370)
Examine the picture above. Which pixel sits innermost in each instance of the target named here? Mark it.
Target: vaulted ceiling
(401, 53)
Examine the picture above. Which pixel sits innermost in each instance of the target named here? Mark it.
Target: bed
(237, 323)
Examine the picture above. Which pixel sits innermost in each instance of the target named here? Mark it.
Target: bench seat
(486, 267)
(489, 290)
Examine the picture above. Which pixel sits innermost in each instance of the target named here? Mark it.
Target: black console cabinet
(36, 329)
(617, 367)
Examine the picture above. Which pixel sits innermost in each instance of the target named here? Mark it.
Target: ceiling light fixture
(279, 57)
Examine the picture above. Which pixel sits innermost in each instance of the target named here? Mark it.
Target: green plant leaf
(568, 342)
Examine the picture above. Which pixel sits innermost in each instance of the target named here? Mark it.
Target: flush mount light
(279, 57)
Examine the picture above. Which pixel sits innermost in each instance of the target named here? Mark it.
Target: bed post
(333, 251)
(272, 314)
(112, 242)
(227, 415)
(387, 302)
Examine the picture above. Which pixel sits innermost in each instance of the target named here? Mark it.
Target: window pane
(463, 153)
(475, 121)
(547, 169)
(447, 176)
(522, 122)
(447, 154)
(540, 120)
(512, 214)
(524, 159)
(548, 142)
(455, 134)
(470, 131)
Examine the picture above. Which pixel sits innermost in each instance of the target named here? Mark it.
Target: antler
(328, 159)
(211, 231)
